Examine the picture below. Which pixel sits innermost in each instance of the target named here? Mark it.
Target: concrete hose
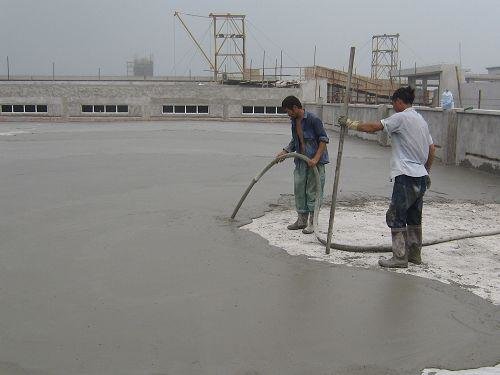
(345, 247)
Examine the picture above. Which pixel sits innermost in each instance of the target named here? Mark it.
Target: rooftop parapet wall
(64, 99)
(470, 138)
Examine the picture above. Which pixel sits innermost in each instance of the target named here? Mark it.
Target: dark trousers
(406, 202)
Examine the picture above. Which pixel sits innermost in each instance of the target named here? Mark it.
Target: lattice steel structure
(384, 55)
(229, 44)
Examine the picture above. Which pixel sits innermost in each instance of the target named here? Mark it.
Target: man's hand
(351, 124)
(428, 182)
(312, 162)
(280, 157)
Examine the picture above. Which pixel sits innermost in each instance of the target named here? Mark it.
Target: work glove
(351, 124)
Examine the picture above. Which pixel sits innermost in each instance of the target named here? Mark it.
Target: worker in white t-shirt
(447, 99)
(411, 161)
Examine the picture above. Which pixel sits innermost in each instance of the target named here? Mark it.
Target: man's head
(403, 98)
(292, 106)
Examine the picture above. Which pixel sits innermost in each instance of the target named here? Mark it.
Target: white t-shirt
(410, 140)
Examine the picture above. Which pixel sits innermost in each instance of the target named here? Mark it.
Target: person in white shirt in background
(411, 161)
(447, 100)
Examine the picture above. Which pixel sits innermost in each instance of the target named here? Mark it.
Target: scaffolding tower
(384, 56)
(229, 44)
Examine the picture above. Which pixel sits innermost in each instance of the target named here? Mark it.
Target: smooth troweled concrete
(117, 257)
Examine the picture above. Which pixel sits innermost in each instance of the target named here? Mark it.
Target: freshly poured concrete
(117, 257)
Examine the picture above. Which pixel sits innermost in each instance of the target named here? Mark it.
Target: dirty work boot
(310, 227)
(399, 255)
(301, 222)
(414, 243)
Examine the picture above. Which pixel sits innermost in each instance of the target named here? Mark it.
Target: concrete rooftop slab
(117, 256)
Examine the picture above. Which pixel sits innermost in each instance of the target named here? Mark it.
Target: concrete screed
(117, 256)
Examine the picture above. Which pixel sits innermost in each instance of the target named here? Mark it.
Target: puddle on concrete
(470, 263)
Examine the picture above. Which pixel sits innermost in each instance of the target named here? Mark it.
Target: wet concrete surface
(117, 257)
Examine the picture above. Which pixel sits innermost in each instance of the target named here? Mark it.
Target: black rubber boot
(414, 243)
(301, 222)
(310, 227)
(399, 254)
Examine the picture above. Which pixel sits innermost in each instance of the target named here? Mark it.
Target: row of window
(24, 108)
(185, 109)
(99, 108)
(260, 110)
(167, 109)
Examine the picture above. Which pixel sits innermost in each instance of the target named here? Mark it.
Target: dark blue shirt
(314, 133)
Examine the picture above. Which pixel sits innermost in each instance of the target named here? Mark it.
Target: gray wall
(144, 99)
(470, 138)
(490, 95)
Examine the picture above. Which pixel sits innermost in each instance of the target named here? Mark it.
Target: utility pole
(460, 53)
(8, 69)
(315, 77)
(53, 70)
(281, 64)
(263, 67)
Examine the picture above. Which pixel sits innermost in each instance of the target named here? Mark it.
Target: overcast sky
(81, 36)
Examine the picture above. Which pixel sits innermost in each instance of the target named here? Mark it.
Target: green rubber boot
(399, 254)
(414, 243)
(301, 222)
(310, 227)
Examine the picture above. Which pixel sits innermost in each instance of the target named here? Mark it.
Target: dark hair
(406, 94)
(290, 101)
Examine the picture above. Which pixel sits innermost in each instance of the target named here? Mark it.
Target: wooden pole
(479, 100)
(459, 90)
(343, 131)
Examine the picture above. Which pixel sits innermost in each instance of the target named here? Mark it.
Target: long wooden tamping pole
(343, 131)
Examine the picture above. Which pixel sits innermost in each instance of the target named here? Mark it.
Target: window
(6, 108)
(41, 108)
(111, 108)
(87, 108)
(29, 108)
(203, 109)
(189, 109)
(98, 108)
(18, 108)
(180, 109)
(122, 108)
(261, 110)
